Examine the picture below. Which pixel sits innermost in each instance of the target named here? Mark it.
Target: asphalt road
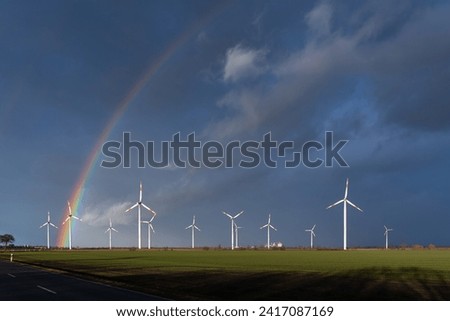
(20, 282)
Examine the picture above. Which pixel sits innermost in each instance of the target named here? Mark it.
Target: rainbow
(76, 197)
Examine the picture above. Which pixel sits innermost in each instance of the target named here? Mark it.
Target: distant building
(276, 244)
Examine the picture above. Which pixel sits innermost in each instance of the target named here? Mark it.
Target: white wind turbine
(69, 218)
(110, 230)
(48, 224)
(345, 201)
(236, 230)
(232, 218)
(269, 226)
(312, 235)
(138, 205)
(193, 227)
(386, 233)
(150, 227)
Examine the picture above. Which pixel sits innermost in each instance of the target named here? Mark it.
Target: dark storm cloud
(411, 72)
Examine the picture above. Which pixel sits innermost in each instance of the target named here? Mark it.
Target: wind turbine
(236, 230)
(69, 218)
(138, 205)
(345, 201)
(110, 230)
(48, 223)
(150, 226)
(232, 218)
(193, 227)
(312, 234)
(269, 226)
(386, 233)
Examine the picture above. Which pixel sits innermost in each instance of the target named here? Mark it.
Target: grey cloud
(99, 214)
(319, 19)
(408, 71)
(243, 62)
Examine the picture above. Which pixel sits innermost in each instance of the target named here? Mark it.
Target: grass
(262, 275)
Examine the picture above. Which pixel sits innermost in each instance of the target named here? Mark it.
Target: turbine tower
(236, 231)
(232, 218)
(69, 218)
(193, 227)
(48, 224)
(138, 205)
(386, 233)
(150, 226)
(269, 226)
(110, 230)
(312, 234)
(345, 201)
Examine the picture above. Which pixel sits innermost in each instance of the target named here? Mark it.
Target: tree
(7, 238)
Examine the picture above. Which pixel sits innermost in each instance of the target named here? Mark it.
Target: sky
(77, 74)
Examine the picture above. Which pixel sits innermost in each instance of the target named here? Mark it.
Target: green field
(261, 275)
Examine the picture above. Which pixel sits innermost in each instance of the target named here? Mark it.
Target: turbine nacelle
(111, 228)
(268, 225)
(150, 225)
(311, 230)
(387, 230)
(231, 216)
(70, 215)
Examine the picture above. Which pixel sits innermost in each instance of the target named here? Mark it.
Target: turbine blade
(197, 228)
(272, 227)
(43, 225)
(337, 203)
(238, 214)
(140, 192)
(107, 230)
(68, 217)
(346, 189)
(313, 227)
(354, 206)
(385, 227)
(264, 226)
(77, 218)
(132, 207)
(151, 226)
(112, 228)
(231, 217)
(148, 208)
(187, 227)
(70, 209)
(53, 225)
